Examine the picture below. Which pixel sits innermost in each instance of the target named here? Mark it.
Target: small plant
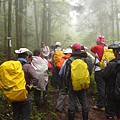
(92, 88)
(5, 108)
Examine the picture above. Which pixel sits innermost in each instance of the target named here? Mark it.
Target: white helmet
(58, 43)
(68, 50)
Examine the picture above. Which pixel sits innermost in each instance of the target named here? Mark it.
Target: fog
(83, 21)
(29, 22)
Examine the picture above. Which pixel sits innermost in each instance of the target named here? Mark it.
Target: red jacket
(98, 49)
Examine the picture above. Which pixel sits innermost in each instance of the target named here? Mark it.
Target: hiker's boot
(110, 118)
(98, 108)
(85, 115)
(78, 109)
(71, 115)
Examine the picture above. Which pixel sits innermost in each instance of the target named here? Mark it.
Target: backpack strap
(22, 63)
(95, 64)
(46, 47)
(71, 59)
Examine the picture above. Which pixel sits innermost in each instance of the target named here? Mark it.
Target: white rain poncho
(41, 67)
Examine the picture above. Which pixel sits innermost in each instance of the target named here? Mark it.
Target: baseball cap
(58, 43)
(68, 50)
(101, 39)
(76, 46)
(115, 45)
(23, 50)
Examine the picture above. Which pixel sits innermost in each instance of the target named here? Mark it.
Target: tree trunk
(26, 37)
(20, 21)
(9, 28)
(44, 30)
(49, 24)
(36, 26)
(0, 6)
(5, 28)
(112, 15)
(117, 23)
(17, 23)
(100, 13)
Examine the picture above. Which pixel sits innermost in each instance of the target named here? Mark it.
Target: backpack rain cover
(12, 81)
(79, 75)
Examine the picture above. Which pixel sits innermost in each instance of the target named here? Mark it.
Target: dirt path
(93, 114)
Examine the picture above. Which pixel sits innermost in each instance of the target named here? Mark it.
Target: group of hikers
(71, 70)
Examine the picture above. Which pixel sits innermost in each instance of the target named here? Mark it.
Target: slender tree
(9, 28)
(20, 21)
(44, 23)
(49, 23)
(26, 36)
(36, 25)
(0, 6)
(17, 24)
(117, 22)
(5, 27)
(112, 20)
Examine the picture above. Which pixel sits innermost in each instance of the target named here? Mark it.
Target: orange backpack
(61, 61)
(57, 56)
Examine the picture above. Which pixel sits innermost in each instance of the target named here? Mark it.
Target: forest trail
(93, 114)
(48, 112)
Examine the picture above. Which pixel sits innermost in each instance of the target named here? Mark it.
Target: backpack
(12, 81)
(108, 55)
(41, 66)
(57, 56)
(61, 61)
(111, 77)
(117, 79)
(79, 74)
(117, 86)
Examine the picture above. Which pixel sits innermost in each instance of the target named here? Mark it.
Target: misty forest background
(25, 23)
